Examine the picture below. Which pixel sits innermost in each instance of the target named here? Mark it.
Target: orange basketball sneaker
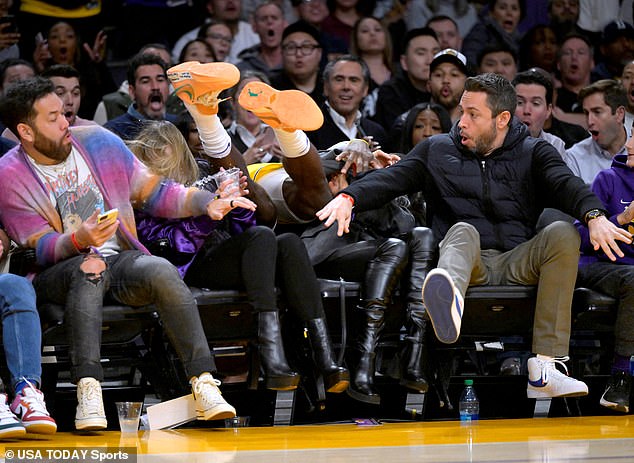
(285, 109)
(200, 83)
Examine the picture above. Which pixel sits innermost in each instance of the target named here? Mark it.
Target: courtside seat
(126, 332)
(593, 310)
(121, 323)
(592, 337)
(339, 298)
(133, 357)
(338, 288)
(232, 333)
(498, 310)
(129, 344)
(231, 330)
(226, 314)
(497, 321)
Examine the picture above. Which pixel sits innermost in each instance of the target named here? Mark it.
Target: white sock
(215, 139)
(293, 144)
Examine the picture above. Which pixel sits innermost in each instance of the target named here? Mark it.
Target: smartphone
(111, 214)
(12, 28)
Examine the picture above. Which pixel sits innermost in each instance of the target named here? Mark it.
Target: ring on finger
(260, 150)
(231, 203)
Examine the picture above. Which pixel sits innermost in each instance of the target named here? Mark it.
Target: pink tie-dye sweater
(125, 183)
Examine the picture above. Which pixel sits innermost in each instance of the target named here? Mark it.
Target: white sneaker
(90, 414)
(210, 405)
(10, 425)
(545, 380)
(444, 305)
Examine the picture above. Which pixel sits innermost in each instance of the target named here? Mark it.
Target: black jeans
(616, 281)
(131, 278)
(255, 261)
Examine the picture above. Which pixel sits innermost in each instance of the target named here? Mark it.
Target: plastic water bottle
(469, 404)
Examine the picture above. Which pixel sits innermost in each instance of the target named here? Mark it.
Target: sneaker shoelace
(91, 398)
(210, 99)
(550, 368)
(208, 383)
(33, 398)
(618, 382)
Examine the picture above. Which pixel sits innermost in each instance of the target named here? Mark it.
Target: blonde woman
(236, 253)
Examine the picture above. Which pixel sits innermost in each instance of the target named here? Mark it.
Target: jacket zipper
(488, 204)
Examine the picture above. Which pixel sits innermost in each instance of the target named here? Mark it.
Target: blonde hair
(163, 149)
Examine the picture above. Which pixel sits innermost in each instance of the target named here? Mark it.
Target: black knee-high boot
(277, 374)
(414, 356)
(381, 277)
(336, 378)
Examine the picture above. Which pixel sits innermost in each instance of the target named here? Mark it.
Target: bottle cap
(468, 382)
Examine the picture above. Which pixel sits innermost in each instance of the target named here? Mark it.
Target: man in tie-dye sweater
(55, 184)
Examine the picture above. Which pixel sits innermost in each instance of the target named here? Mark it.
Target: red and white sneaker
(30, 407)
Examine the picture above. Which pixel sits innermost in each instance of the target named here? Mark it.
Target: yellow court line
(344, 435)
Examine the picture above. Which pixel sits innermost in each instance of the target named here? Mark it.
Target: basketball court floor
(577, 439)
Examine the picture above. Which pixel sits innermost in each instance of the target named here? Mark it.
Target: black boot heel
(277, 374)
(336, 378)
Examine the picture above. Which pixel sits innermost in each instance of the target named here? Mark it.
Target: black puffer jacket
(502, 194)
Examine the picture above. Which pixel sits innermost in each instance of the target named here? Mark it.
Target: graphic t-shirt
(74, 193)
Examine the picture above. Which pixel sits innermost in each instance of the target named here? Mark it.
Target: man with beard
(55, 184)
(617, 49)
(448, 73)
(486, 183)
(149, 89)
(564, 15)
(604, 104)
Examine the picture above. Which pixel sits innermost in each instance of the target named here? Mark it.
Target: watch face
(594, 214)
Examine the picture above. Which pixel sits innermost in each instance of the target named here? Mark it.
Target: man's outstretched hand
(604, 234)
(338, 209)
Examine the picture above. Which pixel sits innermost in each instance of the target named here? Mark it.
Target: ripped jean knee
(93, 267)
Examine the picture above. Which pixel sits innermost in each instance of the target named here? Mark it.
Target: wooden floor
(580, 439)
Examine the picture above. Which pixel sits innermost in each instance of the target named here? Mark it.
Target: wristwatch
(593, 214)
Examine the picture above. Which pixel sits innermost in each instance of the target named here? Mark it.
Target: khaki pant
(548, 260)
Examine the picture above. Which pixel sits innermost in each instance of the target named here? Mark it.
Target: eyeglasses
(305, 49)
(224, 39)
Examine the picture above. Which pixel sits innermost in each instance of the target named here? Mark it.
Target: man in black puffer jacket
(486, 183)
